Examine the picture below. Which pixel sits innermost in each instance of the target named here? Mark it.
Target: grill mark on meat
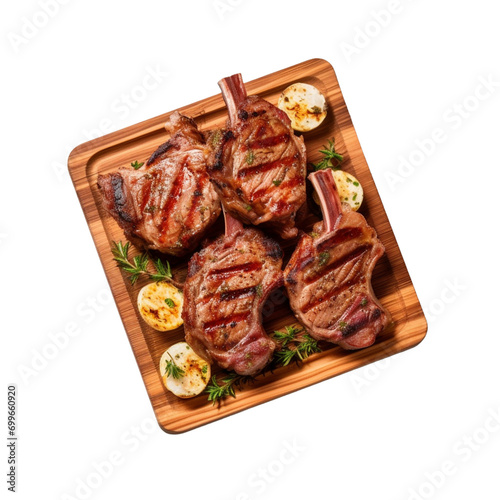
(333, 292)
(238, 294)
(280, 207)
(150, 205)
(212, 326)
(295, 181)
(269, 142)
(146, 195)
(289, 184)
(119, 196)
(266, 167)
(228, 295)
(340, 236)
(159, 152)
(195, 201)
(352, 328)
(263, 146)
(218, 163)
(261, 131)
(328, 279)
(273, 250)
(222, 274)
(172, 200)
(356, 253)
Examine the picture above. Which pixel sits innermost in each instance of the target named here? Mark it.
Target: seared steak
(169, 203)
(328, 278)
(227, 284)
(259, 165)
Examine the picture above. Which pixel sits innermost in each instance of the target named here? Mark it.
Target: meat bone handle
(234, 93)
(324, 184)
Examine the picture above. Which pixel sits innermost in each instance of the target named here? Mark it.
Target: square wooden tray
(391, 281)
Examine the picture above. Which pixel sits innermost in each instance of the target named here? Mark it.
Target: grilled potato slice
(160, 306)
(305, 105)
(349, 188)
(188, 374)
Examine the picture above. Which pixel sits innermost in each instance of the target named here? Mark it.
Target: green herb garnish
(138, 266)
(163, 271)
(287, 336)
(277, 183)
(137, 165)
(170, 303)
(250, 157)
(216, 138)
(331, 158)
(172, 369)
(323, 258)
(219, 390)
(295, 345)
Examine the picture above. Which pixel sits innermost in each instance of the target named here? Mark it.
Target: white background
(381, 432)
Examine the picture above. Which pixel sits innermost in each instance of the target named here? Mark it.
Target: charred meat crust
(328, 277)
(116, 198)
(259, 165)
(227, 284)
(159, 152)
(217, 163)
(169, 203)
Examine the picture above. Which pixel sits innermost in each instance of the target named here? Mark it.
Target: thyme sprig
(139, 264)
(331, 159)
(293, 344)
(173, 369)
(219, 390)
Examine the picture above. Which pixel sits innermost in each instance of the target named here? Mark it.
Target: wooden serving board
(391, 281)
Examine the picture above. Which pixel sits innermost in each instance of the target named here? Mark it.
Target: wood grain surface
(391, 281)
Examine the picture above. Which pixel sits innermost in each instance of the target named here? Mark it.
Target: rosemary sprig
(138, 266)
(172, 369)
(163, 271)
(218, 391)
(331, 159)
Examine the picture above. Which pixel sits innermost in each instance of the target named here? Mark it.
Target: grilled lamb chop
(259, 165)
(328, 278)
(227, 284)
(168, 204)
